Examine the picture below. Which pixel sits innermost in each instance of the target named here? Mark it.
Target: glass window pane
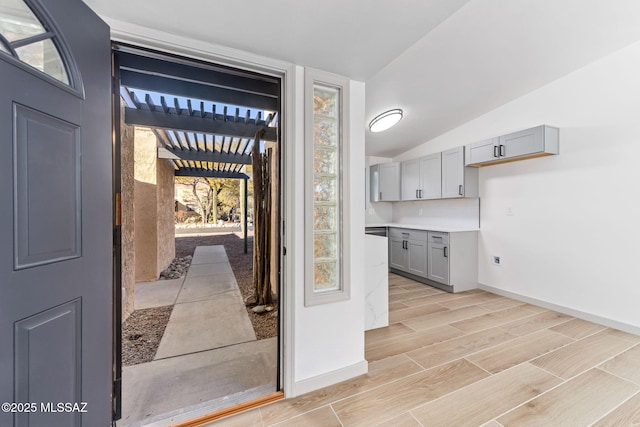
(325, 160)
(325, 132)
(325, 102)
(17, 21)
(45, 57)
(325, 189)
(325, 276)
(324, 218)
(324, 245)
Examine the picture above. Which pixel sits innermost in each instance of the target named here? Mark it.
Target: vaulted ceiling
(444, 62)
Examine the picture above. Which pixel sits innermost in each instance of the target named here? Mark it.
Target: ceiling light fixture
(385, 120)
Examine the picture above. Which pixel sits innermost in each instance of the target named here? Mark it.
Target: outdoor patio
(208, 357)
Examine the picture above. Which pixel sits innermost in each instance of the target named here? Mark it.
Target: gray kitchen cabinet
(408, 251)
(457, 180)
(410, 179)
(481, 152)
(448, 261)
(417, 257)
(420, 178)
(525, 144)
(397, 253)
(384, 182)
(438, 257)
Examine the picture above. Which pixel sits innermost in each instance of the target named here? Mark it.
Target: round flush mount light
(385, 120)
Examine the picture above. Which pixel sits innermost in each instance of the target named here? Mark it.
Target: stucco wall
(154, 206)
(127, 228)
(166, 230)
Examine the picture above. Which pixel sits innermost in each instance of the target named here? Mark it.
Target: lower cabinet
(438, 257)
(408, 251)
(448, 261)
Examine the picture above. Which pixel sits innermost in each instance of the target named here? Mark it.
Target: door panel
(417, 258)
(48, 184)
(49, 345)
(410, 179)
(56, 227)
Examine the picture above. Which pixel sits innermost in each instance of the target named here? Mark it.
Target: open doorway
(184, 122)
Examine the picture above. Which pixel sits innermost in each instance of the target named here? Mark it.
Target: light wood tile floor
(475, 359)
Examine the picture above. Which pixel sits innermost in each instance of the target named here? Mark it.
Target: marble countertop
(427, 227)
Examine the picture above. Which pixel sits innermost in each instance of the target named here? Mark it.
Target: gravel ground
(141, 334)
(142, 331)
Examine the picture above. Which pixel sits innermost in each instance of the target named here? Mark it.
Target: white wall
(574, 237)
(462, 213)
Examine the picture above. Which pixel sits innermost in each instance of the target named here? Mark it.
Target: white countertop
(427, 227)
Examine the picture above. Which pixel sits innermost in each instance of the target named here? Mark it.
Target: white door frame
(292, 113)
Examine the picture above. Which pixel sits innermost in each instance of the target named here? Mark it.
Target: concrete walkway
(208, 357)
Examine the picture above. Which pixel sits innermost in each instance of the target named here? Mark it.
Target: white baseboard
(327, 379)
(565, 310)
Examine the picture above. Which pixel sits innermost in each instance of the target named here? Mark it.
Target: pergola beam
(204, 156)
(162, 120)
(205, 173)
(189, 89)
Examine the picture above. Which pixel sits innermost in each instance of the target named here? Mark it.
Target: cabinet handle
(495, 151)
(502, 150)
(446, 254)
(380, 198)
(417, 196)
(460, 189)
(404, 244)
(420, 193)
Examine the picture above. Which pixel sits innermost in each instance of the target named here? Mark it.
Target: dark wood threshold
(232, 410)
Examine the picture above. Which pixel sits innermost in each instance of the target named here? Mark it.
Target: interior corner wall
(166, 229)
(127, 227)
(566, 227)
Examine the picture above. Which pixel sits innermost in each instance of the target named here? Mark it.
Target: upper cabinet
(385, 182)
(457, 180)
(529, 143)
(420, 178)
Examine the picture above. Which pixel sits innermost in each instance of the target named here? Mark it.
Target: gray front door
(55, 215)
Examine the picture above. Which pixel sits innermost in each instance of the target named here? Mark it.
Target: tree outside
(212, 199)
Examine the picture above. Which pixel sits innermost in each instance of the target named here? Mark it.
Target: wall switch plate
(495, 260)
(509, 211)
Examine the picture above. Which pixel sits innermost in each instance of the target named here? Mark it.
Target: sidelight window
(325, 97)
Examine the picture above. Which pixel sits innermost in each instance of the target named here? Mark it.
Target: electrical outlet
(509, 211)
(496, 260)
(420, 212)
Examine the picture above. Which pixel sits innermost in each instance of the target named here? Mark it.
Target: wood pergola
(205, 118)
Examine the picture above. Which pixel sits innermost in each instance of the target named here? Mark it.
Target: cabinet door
(431, 176)
(417, 257)
(389, 181)
(397, 253)
(374, 183)
(410, 179)
(522, 143)
(453, 173)
(483, 151)
(438, 265)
